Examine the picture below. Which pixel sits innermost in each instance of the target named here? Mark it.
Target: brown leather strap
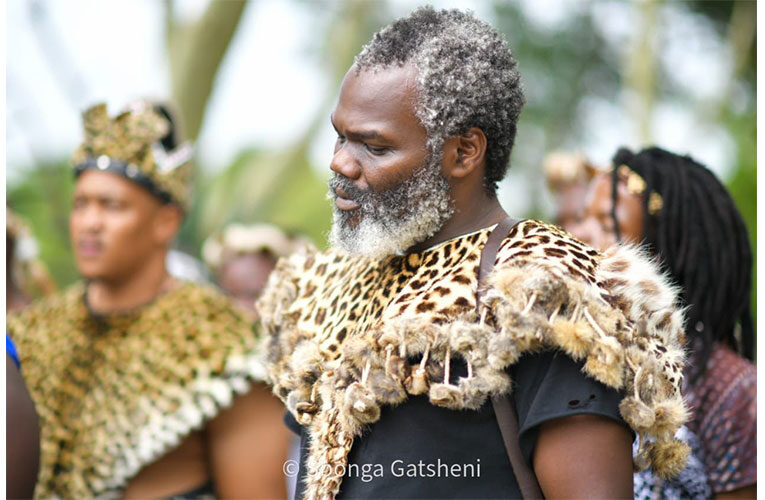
(503, 405)
(508, 427)
(489, 253)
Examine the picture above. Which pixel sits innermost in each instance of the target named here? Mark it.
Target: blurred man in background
(242, 257)
(568, 176)
(26, 276)
(146, 387)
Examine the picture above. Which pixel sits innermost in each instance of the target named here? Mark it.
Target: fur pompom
(357, 350)
(360, 402)
(575, 338)
(447, 395)
(388, 390)
(473, 393)
(503, 351)
(669, 415)
(637, 414)
(669, 457)
(396, 367)
(606, 362)
(492, 382)
(417, 383)
(300, 405)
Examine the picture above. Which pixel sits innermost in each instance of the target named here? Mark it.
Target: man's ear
(167, 222)
(464, 154)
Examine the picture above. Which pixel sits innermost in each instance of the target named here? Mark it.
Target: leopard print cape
(339, 333)
(114, 393)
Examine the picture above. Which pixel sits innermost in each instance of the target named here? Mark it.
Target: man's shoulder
(537, 243)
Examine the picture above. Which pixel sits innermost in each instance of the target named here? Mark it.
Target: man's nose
(91, 218)
(344, 162)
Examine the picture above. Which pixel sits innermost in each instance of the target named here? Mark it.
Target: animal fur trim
(618, 316)
(115, 393)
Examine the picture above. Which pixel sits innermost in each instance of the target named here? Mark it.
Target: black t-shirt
(419, 450)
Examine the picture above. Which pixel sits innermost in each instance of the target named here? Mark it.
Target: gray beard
(392, 221)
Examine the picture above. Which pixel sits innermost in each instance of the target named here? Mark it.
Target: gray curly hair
(467, 77)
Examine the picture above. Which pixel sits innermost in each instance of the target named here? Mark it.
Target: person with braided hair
(683, 215)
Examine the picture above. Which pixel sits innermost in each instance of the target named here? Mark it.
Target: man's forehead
(105, 185)
(390, 82)
(377, 98)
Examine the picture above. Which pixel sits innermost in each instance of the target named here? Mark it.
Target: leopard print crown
(131, 144)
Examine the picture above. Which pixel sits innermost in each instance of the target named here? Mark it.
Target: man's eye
(377, 150)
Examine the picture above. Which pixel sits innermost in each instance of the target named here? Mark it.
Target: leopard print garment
(116, 392)
(340, 331)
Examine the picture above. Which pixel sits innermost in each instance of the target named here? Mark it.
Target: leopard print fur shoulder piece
(116, 392)
(344, 336)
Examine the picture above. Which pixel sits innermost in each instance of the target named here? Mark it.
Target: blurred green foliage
(562, 66)
(43, 199)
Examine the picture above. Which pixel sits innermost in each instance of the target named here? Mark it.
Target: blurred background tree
(597, 75)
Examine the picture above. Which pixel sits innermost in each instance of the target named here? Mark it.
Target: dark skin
(243, 277)
(380, 142)
(121, 235)
(597, 228)
(22, 449)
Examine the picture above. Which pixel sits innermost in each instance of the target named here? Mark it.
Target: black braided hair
(703, 243)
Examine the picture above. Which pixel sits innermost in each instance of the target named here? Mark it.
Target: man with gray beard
(392, 350)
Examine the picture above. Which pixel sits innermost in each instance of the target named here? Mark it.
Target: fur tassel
(447, 395)
(417, 383)
(503, 351)
(606, 363)
(360, 402)
(669, 415)
(473, 393)
(575, 338)
(492, 382)
(614, 310)
(637, 414)
(388, 390)
(669, 457)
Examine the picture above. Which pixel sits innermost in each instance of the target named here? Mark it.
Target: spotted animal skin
(341, 334)
(114, 393)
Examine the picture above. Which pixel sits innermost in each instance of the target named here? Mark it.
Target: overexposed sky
(65, 55)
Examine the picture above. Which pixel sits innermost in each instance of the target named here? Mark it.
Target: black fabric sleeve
(291, 423)
(550, 385)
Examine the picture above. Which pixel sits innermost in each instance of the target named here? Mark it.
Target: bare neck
(142, 287)
(483, 210)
